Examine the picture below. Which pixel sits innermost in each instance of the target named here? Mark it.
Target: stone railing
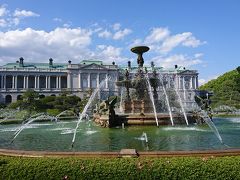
(3, 69)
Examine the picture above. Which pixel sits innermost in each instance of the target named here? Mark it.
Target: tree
(238, 69)
(30, 100)
(226, 89)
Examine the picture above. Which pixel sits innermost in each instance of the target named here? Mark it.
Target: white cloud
(24, 13)
(66, 25)
(115, 33)
(198, 55)
(110, 51)
(14, 21)
(57, 19)
(192, 42)
(3, 23)
(185, 39)
(62, 43)
(109, 54)
(173, 41)
(105, 34)
(116, 26)
(135, 42)
(162, 41)
(10, 19)
(157, 35)
(121, 34)
(179, 59)
(209, 78)
(3, 10)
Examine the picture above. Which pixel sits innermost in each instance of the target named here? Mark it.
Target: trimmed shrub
(53, 112)
(120, 168)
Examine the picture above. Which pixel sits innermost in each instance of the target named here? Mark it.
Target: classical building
(54, 78)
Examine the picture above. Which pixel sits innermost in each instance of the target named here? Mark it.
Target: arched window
(41, 96)
(8, 99)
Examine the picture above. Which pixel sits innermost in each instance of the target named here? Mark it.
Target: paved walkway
(232, 152)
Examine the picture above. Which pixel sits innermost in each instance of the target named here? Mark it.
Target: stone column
(184, 88)
(196, 82)
(191, 85)
(183, 82)
(193, 82)
(168, 82)
(176, 82)
(38, 77)
(179, 82)
(57, 80)
(89, 78)
(46, 84)
(4, 81)
(79, 80)
(16, 82)
(106, 82)
(60, 85)
(1, 81)
(69, 81)
(13, 82)
(97, 79)
(49, 82)
(35, 82)
(26, 82)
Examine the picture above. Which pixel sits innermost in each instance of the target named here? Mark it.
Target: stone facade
(52, 79)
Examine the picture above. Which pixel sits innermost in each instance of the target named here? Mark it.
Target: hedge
(120, 168)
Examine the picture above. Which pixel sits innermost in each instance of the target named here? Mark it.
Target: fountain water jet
(152, 99)
(139, 113)
(65, 112)
(142, 104)
(39, 116)
(181, 104)
(144, 135)
(166, 97)
(121, 101)
(209, 122)
(86, 108)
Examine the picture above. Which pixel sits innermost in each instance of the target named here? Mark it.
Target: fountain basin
(140, 49)
(57, 136)
(143, 119)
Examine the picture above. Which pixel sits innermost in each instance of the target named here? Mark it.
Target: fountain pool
(57, 136)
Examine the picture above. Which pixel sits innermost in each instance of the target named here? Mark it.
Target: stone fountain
(141, 106)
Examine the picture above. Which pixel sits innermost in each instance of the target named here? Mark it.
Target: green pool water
(57, 136)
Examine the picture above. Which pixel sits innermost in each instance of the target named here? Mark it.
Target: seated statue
(107, 106)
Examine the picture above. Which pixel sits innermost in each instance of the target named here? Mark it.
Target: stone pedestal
(127, 107)
(137, 106)
(128, 153)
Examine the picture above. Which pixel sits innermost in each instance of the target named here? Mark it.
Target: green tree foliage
(226, 89)
(32, 102)
(238, 69)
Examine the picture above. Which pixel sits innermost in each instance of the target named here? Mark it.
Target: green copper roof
(91, 62)
(37, 65)
(149, 68)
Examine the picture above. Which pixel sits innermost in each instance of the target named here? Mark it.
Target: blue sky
(201, 35)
